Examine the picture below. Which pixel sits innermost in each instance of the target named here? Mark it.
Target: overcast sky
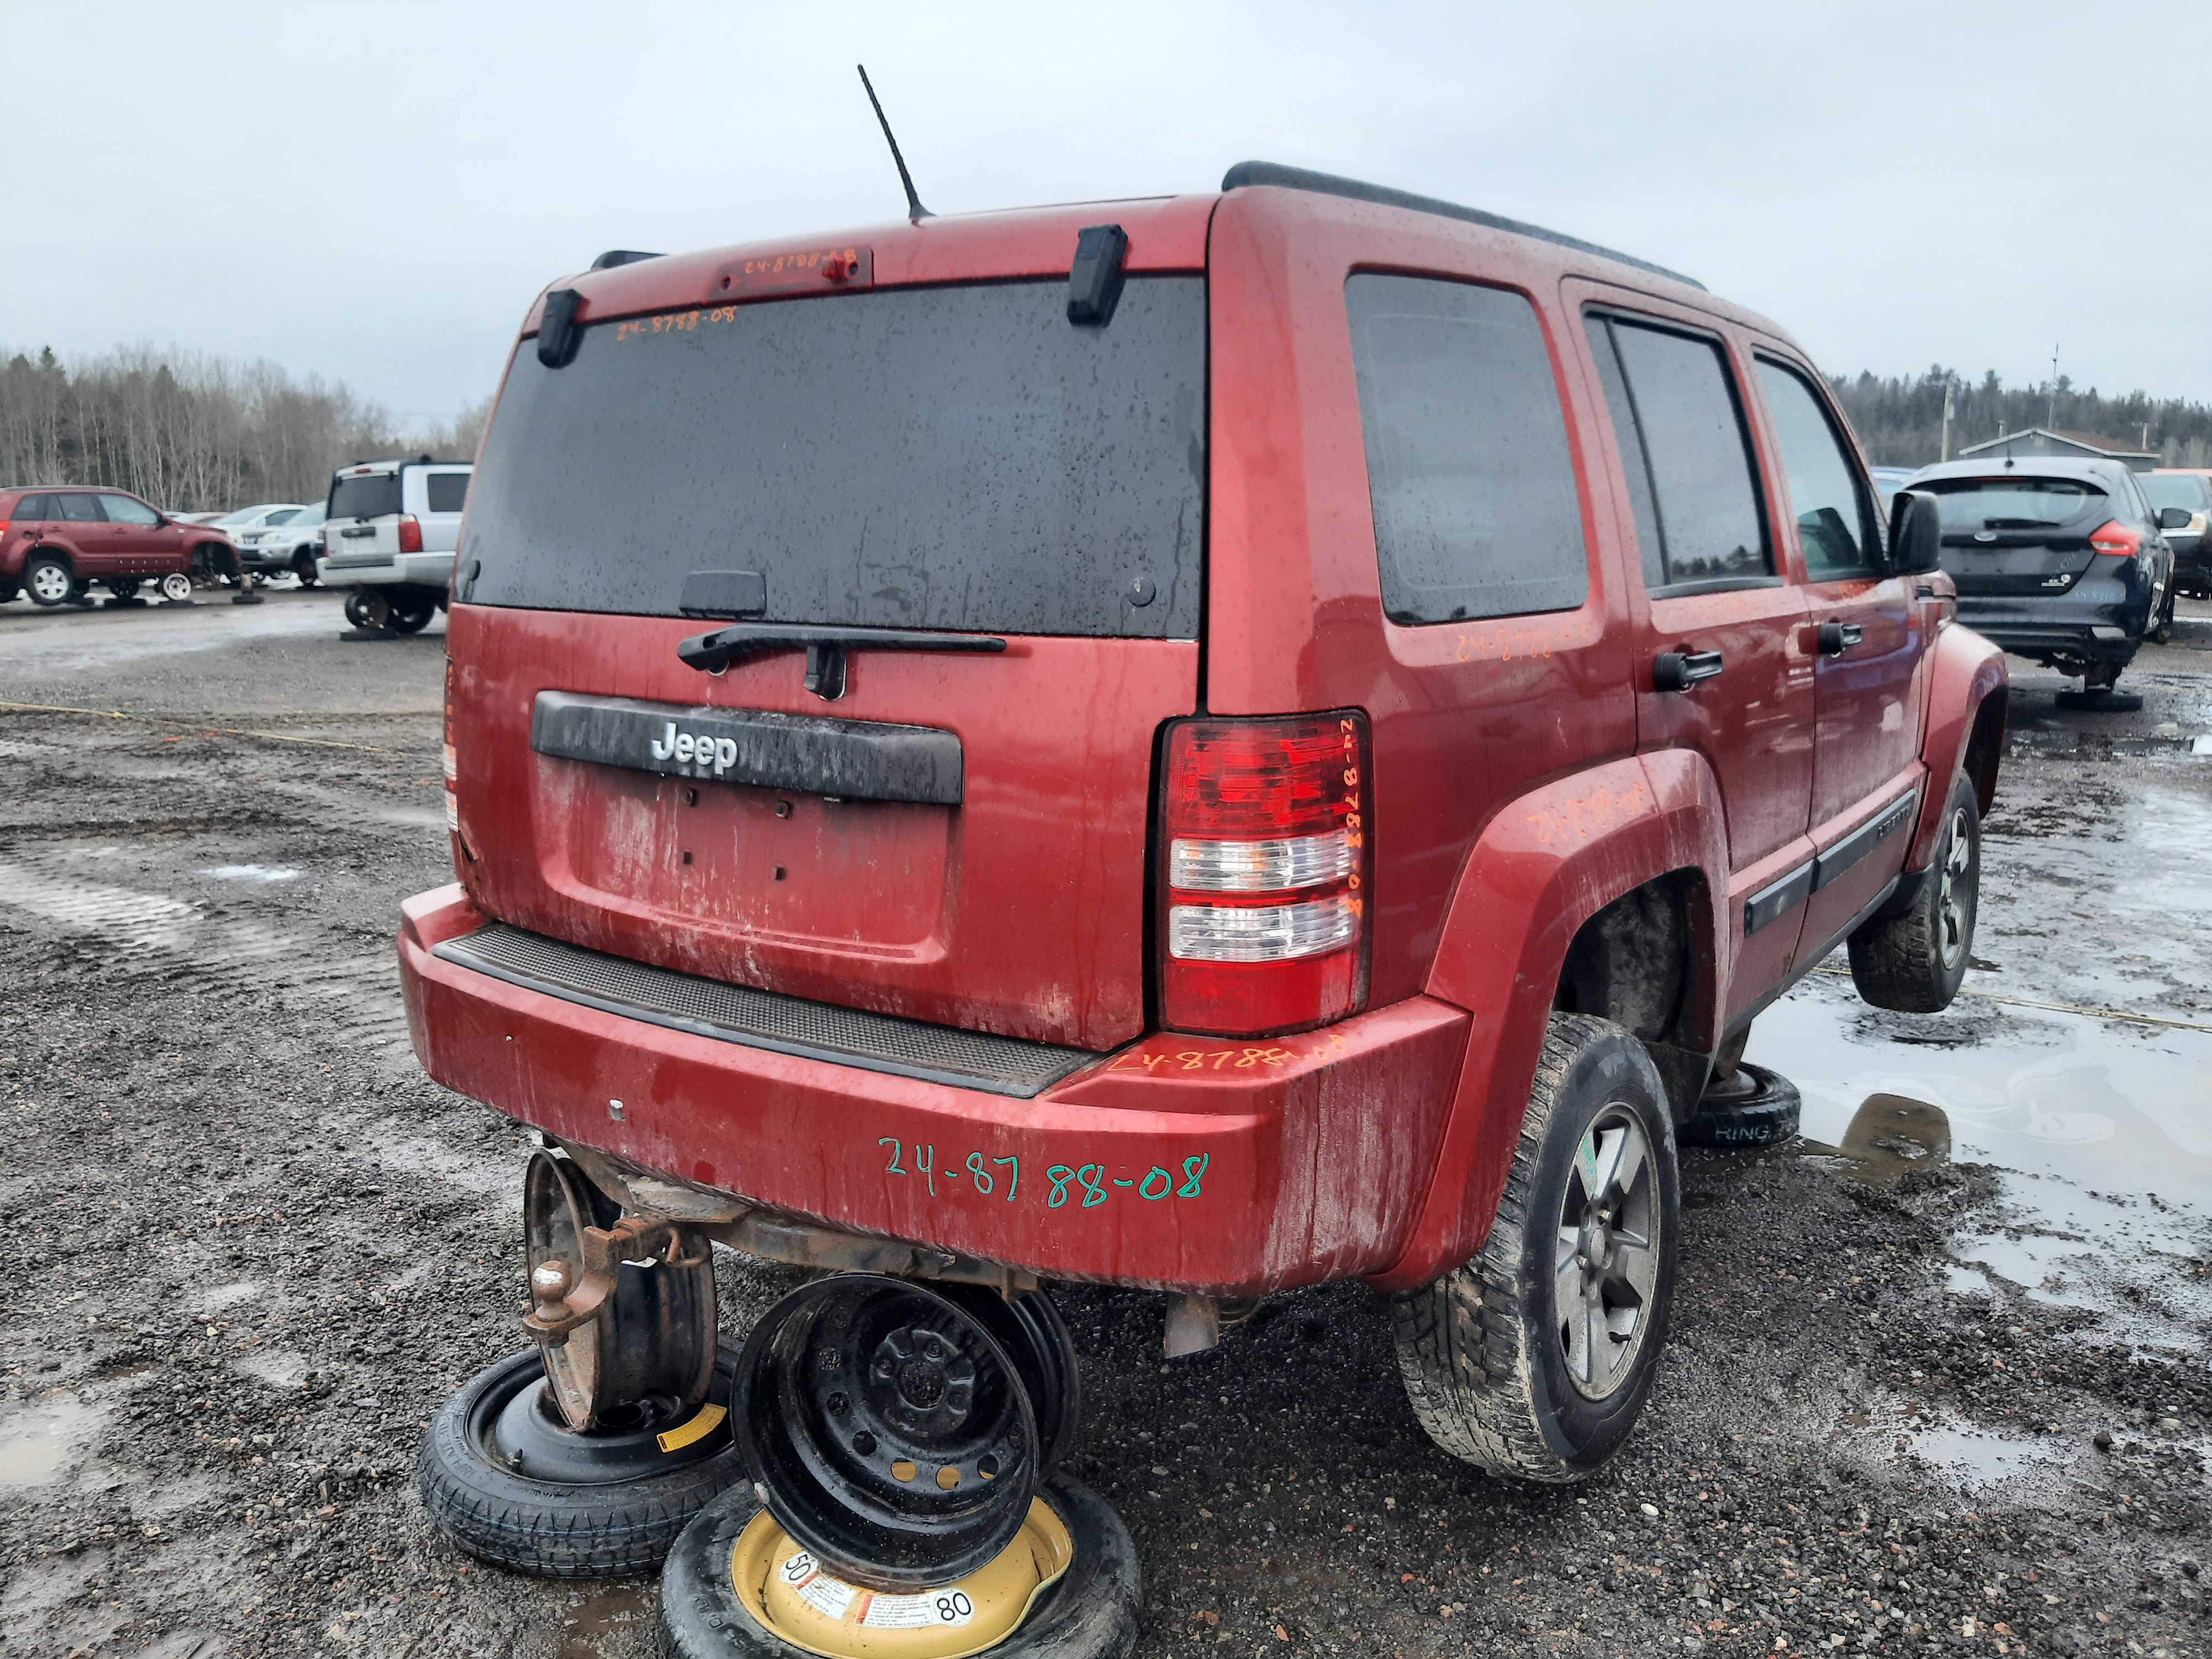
(374, 193)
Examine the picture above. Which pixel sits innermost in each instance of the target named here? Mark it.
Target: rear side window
(1836, 525)
(1472, 484)
(365, 495)
(78, 507)
(448, 491)
(961, 457)
(1678, 422)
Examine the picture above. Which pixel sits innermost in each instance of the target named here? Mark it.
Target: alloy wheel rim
(1952, 899)
(1604, 1269)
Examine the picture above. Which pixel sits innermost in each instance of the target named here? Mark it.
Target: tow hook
(566, 1294)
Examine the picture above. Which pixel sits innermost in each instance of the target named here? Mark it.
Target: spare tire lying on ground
(1752, 1107)
(1089, 1612)
(508, 1483)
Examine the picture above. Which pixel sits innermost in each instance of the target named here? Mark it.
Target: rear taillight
(2117, 539)
(1264, 846)
(410, 534)
(453, 768)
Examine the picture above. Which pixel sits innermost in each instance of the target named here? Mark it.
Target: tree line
(193, 433)
(1899, 418)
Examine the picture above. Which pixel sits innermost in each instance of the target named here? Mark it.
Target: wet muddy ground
(1937, 1382)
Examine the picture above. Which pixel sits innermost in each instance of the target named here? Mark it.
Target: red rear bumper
(1186, 1162)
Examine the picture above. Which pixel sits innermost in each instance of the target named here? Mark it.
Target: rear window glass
(1472, 483)
(2174, 489)
(366, 495)
(448, 491)
(953, 457)
(2012, 503)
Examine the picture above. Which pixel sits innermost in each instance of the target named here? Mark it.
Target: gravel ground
(1936, 1382)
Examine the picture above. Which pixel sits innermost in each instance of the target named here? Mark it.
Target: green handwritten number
(1060, 1174)
(1193, 1168)
(926, 1165)
(1014, 1182)
(1093, 1193)
(983, 1183)
(1167, 1185)
(891, 1168)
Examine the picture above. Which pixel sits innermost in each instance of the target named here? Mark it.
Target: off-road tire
(549, 1529)
(1735, 1118)
(56, 595)
(1090, 1614)
(1898, 962)
(1477, 1348)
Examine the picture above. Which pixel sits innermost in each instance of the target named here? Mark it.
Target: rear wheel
(414, 615)
(123, 587)
(303, 567)
(2161, 628)
(1535, 1357)
(47, 580)
(176, 588)
(367, 610)
(1914, 962)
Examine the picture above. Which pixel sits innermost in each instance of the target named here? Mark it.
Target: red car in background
(56, 542)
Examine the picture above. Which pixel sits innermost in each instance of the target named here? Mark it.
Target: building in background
(2076, 446)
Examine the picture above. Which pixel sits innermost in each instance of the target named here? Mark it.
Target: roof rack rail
(1329, 184)
(620, 255)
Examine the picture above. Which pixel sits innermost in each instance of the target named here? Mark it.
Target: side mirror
(1916, 533)
(2173, 517)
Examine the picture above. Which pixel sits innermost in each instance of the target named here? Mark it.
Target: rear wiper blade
(825, 647)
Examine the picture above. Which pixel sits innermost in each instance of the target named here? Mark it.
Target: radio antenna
(913, 207)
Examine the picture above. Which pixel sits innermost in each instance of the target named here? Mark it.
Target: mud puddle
(39, 1442)
(2101, 1133)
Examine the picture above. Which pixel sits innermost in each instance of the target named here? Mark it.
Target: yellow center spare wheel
(794, 1595)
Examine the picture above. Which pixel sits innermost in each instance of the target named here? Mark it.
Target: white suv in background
(389, 533)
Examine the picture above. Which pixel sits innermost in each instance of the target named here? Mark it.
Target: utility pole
(2050, 414)
(1946, 422)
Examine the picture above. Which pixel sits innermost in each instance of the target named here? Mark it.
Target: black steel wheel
(367, 610)
(505, 1480)
(413, 615)
(1090, 1614)
(889, 1428)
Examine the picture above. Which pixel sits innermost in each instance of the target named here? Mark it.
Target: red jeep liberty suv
(1212, 744)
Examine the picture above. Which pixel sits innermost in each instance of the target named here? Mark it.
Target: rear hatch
(960, 837)
(2018, 535)
(362, 516)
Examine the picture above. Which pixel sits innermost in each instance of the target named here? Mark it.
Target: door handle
(1838, 637)
(1678, 671)
(1924, 591)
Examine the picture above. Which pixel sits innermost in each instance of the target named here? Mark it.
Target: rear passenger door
(1722, 666)
(85, 528)
(1868, 632)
